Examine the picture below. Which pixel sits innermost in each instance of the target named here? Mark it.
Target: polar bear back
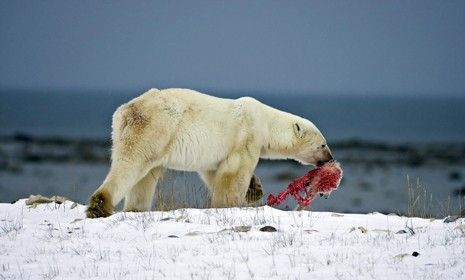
(202, 129)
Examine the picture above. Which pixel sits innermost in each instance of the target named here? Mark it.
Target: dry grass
(167, 198)
(421, 202)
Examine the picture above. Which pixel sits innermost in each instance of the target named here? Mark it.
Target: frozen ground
(55, 241)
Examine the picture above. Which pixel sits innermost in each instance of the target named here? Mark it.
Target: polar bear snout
(326, 157)
(316, 157)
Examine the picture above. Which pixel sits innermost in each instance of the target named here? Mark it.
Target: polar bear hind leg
(132, 159)
(119, 181)
(140, 197)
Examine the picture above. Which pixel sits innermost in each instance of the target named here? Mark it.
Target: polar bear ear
(298, 130)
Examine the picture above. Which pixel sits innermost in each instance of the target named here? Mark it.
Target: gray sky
(262, 46)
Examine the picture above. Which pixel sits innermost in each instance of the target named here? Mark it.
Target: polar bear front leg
(255, 191)
(229, 183)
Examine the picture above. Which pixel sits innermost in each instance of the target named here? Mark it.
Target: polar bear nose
(328, 158)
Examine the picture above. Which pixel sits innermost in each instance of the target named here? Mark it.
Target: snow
(56, 241)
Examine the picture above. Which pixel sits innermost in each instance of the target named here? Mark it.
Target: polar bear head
(293, 137)
(309, 145)
(299, 139)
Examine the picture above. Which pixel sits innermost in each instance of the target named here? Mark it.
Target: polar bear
(221, 139)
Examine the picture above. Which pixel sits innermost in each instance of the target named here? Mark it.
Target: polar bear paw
(99, 206)
(255, 191)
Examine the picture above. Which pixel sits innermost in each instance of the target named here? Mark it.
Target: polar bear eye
(323, 145)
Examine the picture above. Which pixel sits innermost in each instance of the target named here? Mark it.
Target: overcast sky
(376, 47)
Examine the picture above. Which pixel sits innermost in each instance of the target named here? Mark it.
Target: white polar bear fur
(221, 139)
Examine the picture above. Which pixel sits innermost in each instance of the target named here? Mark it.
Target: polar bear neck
(280, 140)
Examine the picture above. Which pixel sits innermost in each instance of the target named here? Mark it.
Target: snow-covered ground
(53, 241)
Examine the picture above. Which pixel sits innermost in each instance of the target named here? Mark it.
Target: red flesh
(323, 179)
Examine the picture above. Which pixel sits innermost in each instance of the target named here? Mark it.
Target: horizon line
(235, 93)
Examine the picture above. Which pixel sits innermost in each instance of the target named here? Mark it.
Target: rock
(183, 219)
(410, 230)
(362, 229)
(450, 219)
(415, 254)
(268, 229)
(226, 231)
(34, 200)
(401, 232)
(401, 256)
(59, 199)
(76, 220)
(173, 236)
(242, 228)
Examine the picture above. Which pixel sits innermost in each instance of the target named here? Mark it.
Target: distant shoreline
(66, 149)
(344, 143)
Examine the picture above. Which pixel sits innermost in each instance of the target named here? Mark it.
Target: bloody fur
(323, 179)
